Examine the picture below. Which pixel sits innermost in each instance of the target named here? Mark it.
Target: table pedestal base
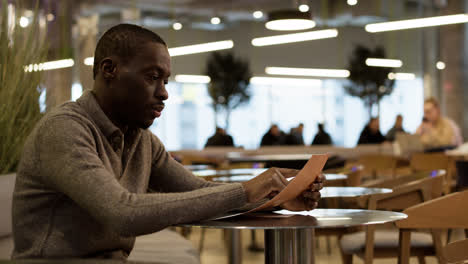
(289, 246)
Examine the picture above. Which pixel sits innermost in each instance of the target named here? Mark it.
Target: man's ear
(108, 68)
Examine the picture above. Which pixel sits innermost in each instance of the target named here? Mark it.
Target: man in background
(220, 138)
(322, 137)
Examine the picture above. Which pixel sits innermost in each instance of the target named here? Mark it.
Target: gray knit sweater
(84, 189)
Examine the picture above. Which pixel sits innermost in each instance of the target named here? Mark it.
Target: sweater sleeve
(168, 175)
(70, 164)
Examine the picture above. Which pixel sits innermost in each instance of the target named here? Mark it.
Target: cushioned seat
(384, 240)
(165, 246)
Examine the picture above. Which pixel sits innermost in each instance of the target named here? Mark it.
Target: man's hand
(308, 200)
(267, 184)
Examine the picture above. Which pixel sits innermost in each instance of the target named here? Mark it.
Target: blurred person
(92, 176)
(397, 128)
(322, 137)
(371, 133)
(295, 136)
(273, 137)
(220, 138)
(435, 130)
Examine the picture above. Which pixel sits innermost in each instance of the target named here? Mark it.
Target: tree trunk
(228, 116)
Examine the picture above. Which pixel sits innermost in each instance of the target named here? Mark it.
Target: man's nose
(162, 93)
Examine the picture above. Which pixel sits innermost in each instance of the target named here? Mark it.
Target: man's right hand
(269, 183)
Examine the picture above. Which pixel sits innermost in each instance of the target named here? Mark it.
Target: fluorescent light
(303, 8)
(285, 81)
(295, 37)
(290, 24)
(50, 17)
(177, 26)
(440, 65)
(50, 65)
(352, 2)
(417, 23)
(257, 14)
(375, 62)
(24, 22)
(332, 73)
(89, 61)
(184, 78)
(199, 48)
(401, 76)
(215, 20)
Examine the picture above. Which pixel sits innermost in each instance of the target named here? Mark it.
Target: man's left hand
(308, 200)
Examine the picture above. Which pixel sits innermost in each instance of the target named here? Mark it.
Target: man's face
(399, 122)
(275, 131)
(431, 112)
(139, 86)
(374, 125)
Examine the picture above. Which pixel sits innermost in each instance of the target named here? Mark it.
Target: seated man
(435, 131)
(92, 176)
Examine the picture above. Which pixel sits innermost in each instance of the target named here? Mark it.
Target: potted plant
(370, 84)
(19, 100)
(229, 86)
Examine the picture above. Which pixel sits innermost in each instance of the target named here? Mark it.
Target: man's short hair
(123, 41)
(432, 101)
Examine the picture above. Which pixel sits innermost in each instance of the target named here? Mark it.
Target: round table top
(246, 177)
(318, 218)
(330, 192)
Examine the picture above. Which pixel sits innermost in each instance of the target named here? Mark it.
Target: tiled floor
(214, 251)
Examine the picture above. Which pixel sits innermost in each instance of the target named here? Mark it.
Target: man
(92, 177)
(435, 131)
(397, 128)
(371, 133)
(220, 138)
(273, 137)
(322, 137)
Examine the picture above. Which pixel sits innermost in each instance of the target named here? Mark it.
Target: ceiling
(197, 13)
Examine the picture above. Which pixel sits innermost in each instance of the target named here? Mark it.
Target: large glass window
(188, 119)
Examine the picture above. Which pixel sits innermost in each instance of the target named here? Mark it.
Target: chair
(456, 252)
(433, 161)
(384, 243)
(377, 165)
(451, 213)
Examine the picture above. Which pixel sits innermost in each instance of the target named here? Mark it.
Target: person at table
(273, 137)
(397, 128)
(435, 130)
(322, 137)
(371, 133)
(295, 136)
(220, 138)
(92, 176)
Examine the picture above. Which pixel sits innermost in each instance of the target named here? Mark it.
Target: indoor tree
(369, 83)
(229, 86)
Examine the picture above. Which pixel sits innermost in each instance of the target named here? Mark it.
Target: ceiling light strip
(284, 81)
(50, 65)
(295, 37)
(389, 63)
(331, 73)
(417, 23)
(186, 78)
(199, 48)
(401, 76)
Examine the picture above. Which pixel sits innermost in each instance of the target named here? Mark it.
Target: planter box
(7, 184)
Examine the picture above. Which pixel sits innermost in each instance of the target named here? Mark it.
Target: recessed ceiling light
(401, 76)
(199, 48)
(215, 20)
(50, 17)
(303, 8)
(352, 2)
(289, 20)
(24, 21)
(177, 26)
(440, 65)
(257, 14)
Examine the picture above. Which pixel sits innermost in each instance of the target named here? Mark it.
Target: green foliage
(230, 78)
(19, 92)
(370, 84)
